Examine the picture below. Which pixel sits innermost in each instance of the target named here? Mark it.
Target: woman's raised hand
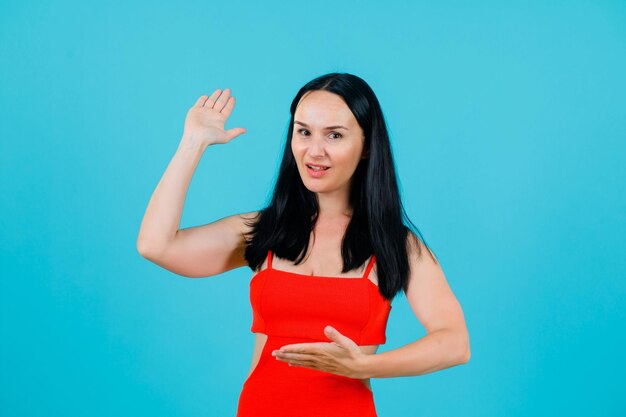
(205, 120)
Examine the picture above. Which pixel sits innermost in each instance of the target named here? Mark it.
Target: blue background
(508, 125)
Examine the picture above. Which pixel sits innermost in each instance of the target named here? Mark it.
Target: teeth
(314, 168)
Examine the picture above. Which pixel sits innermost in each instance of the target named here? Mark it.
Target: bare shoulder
(418, 252)
(242, 222)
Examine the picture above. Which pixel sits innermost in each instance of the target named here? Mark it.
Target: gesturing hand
(206, 119)
(342, 356)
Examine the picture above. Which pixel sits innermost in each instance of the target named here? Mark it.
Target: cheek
(295, 151)
(350, 157)
(343, 163)
(295, 147)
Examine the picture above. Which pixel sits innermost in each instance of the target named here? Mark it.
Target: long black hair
(378, 219)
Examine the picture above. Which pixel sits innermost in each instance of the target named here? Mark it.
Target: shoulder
(244, 222)
(251, 215)
(418, 251)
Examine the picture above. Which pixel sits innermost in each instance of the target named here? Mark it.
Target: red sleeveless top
(289, 304)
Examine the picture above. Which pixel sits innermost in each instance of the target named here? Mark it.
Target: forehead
(323, 108)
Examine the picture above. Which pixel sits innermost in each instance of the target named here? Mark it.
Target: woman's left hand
(342, 356)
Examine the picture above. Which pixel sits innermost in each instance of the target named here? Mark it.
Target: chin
(314, 188)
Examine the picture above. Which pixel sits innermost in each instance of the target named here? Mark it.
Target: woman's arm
(430, 297)
(203, 250)
(435, 306)
(162, 217)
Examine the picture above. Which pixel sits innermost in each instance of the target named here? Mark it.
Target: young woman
(329, 254)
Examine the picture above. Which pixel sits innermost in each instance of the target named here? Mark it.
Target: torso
(323, 260)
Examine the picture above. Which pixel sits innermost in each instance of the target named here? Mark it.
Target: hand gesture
(341, 357)
(206, 119)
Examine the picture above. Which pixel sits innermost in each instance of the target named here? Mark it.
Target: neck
(335, 205)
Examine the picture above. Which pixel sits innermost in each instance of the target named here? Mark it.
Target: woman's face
(327, 134)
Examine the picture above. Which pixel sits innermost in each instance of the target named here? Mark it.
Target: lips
(316, 172)
(317, 167)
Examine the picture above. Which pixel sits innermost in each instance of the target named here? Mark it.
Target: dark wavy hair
(379, 224)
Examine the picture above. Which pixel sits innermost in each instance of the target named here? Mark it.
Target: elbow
(465, 357)
(147, 250)
(463, 348)
(142, 248)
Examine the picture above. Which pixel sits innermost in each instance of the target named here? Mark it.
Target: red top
(296, 305)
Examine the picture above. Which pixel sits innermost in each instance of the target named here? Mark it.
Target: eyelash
(336, 133)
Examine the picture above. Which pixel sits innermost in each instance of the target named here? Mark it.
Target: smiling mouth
(316, 168)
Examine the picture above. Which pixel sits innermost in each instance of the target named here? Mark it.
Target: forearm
(162, 217)
(437, 350)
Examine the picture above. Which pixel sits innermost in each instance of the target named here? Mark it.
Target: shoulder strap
(369, 266)
(269, 259)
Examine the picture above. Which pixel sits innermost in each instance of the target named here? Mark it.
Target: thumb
(233, 133)
(338, 338)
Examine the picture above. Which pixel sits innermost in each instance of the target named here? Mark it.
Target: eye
(302, 130)
(338, 135)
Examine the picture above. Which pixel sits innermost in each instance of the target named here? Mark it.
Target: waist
(270, 370)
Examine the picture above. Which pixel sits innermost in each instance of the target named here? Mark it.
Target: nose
(316, 147)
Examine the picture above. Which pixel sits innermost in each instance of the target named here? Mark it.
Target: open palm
(206, 119)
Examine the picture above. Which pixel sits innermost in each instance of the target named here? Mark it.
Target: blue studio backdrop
(508, 127)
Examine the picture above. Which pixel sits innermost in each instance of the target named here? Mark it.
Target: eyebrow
(327, 127)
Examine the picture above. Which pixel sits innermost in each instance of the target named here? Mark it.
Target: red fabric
(294, 308)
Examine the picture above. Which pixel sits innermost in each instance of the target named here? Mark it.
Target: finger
(307, 364)
(201, 101)
(228, 108)
(289, 357)
(233, 133)
(299, 360)
(334, 335)
(301, 348)
(219, 104)
(211, 101)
